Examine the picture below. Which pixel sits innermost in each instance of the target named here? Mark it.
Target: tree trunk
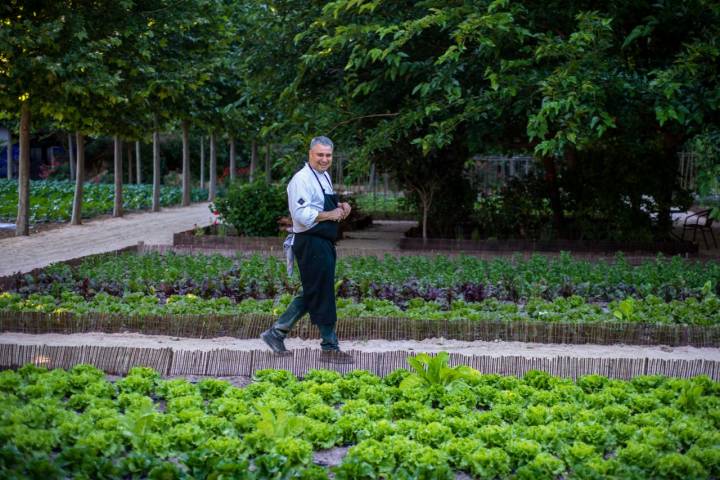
(79, 179)
(426, 207)
(202, 161)
(22, 224)
(268, 167)
(138, 164)
(426, 198)
(156, 172)
(10, 156)
(232, 159)
(186, 164)
(253, 160)
(213, 168)
(129, 153)
(118, 205)
(554, 195)
(71, 157)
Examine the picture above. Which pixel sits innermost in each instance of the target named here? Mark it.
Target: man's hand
(346, 209)
(334, 215)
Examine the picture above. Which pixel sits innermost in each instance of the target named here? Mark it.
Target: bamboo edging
(248, 326)
(224, 362)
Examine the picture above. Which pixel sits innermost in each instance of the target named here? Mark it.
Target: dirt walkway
(23, 254)
(495, 349)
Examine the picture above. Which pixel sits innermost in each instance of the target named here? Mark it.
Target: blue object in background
(3, 161)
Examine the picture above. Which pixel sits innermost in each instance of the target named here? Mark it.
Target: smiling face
(320, 157)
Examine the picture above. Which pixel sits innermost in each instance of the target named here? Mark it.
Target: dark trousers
(294, 312)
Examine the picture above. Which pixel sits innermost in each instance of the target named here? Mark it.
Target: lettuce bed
(428, 424)
(704, 311)
(51, 201)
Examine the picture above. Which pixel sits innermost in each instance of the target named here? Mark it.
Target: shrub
(252, 208)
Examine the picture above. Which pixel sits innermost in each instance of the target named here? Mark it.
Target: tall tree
(156, 172)
(202, 161)
(186, 163)
(213, 168)
(138, 162)
(31, 51)
(76, 218)
(232, 159)
(22, 224)
(118, 172)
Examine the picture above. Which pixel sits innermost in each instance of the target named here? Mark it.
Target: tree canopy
(603, 95)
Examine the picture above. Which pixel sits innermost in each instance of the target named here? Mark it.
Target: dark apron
(314, 250)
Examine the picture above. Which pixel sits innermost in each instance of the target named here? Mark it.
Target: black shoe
(273, 341)
(335, 356)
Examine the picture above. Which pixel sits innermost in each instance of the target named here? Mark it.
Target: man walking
(315, 212)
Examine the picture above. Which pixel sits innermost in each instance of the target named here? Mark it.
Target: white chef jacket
(306, 199)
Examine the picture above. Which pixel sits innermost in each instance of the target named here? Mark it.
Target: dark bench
(699, 222)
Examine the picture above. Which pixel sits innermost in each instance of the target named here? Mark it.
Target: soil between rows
(497, 348)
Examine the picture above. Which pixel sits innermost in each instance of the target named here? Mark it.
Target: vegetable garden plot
(658, 323)
(461, 298)
(51, 201)
(430, 422)
(398, 279)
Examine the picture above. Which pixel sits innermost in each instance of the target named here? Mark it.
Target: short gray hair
(321, 141)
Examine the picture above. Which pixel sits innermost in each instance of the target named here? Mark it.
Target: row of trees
(130, 70)
(604, 95)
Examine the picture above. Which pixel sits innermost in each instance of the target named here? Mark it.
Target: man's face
(320, 157)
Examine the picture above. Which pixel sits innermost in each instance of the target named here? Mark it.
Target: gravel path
(499, 349)
(23, 254)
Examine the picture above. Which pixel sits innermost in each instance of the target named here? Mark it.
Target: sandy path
(499, 349)
(23, 254)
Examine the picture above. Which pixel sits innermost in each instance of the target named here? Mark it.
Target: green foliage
(489, 463)
(606, 96)
(688, 312)
(384, 204)
(145, 426)
(51, 201)
(432, 371)
(519, 210)
(252, 208)
(400, 279)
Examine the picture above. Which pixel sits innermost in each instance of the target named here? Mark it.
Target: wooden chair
(700, 222)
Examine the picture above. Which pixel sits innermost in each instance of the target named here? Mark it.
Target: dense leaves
(77, 423)
(605, 95)
(663, 291)
(396, 278)
(252, 208)
(652, 310)
(51, 201)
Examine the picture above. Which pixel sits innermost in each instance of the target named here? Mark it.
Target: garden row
(398, 279)
(51, 201)
(703, 311)
(428, 422)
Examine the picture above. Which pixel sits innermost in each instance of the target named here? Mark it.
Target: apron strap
(318, 179)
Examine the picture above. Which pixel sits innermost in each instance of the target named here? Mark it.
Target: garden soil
(498, 348)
